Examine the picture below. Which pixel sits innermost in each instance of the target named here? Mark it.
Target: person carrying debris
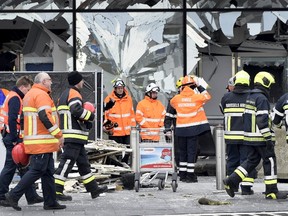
(232, 106)
(120, 114)
(258, 138)
(12, 125)
(42, 137)
(150, 113)
(75, 122)
(191, 121)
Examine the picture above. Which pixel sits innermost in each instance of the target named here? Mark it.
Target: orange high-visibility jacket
(189, 108)
(150, 114)
(41, 131)
(5, 110)
(122, 112)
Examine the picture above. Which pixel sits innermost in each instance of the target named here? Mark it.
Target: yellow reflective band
(272, 195)
(55, 132)
(285, 107)
(46, 141)
(53, 109)
(250, 107)
(253, 123)
(233, 110)
(232, 137)
(87, 115)
(240, 174)
(229, 123)
(54, 118)
(30, 125)
(29, 109)
(90, 179)
(65, 121)
(247, 179)
(270, 182)
(77, 136)
(60, 182)
(63, 107)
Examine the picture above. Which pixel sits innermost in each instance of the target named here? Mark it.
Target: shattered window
(35, 4)
(128, 4)
(36, 41)
(140, 48)
(236, 4)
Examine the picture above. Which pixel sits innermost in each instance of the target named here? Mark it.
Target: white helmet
(118, 82)
(152, 87)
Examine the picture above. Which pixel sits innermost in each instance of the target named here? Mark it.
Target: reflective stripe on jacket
(73, 116)
(233, 105)
(150, 114)
(5, 114)
(122, 112)
(41, 131)
(189, 108)
(257, 122)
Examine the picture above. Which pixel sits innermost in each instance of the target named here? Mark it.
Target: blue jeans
(41, 166)
(8, 172)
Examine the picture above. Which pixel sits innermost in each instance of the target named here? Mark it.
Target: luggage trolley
(153, 156)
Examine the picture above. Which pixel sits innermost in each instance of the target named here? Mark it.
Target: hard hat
(242, 77)
(152, 87)
(118, 82)
(19, 156)
(89, 106)
(230, 82)
(264, 78)
(179, 82)
(188, 80)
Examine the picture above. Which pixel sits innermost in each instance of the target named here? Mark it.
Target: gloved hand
(89, 125)
(109, 105)
(270, 148)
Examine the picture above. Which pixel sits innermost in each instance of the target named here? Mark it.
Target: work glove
(89, 125)
(109, 105)
(270, 148)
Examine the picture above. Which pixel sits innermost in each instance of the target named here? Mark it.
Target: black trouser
(188, 156)
(74, 153)
(8, 172)
(41, 166)
(255, 153)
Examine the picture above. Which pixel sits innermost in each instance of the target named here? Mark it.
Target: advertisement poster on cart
(158, 157)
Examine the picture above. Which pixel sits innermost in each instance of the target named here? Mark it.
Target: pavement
(152, 201)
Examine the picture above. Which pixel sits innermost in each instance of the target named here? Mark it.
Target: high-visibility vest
(3, 94)
(5, 111)
(122, 112)
(40, 135)
(150, 114)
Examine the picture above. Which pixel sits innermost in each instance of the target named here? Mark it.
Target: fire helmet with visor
(265, 79)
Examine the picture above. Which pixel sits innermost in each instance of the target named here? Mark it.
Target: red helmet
(19, 156)
(89, 106)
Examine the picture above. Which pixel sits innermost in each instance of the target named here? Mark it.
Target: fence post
(133, 144)
(220, 156)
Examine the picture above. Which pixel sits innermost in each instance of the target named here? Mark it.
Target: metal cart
(153, 157)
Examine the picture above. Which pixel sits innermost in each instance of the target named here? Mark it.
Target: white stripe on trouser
(183, 166)
(243, 183)
(65, 167)
(190, 167)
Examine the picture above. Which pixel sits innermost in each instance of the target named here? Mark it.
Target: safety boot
(229, 187)
(62, 197)
(99, 190)
(278, 195)
(246, 190)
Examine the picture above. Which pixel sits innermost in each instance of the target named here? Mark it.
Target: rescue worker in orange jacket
(191, 121)
(3, 93)
(12, 135)
(150, 113)
(42, 137)
(75, 123)
(122, 114)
